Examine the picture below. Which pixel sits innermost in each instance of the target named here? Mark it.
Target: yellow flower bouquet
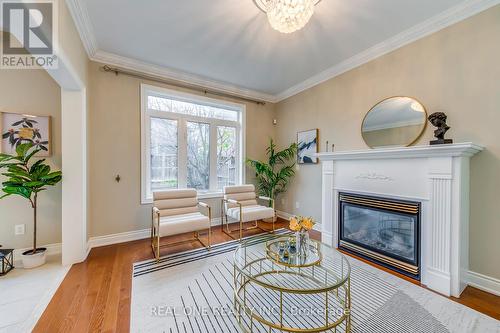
(301, 223)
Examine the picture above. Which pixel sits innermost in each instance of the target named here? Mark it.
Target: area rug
(192, 292)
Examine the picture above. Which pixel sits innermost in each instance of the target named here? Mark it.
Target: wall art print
(307, 146)
(21, 128)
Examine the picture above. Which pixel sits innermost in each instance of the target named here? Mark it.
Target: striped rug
(192, 292)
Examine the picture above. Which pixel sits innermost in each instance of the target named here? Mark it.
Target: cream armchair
(240, 203)
(175, 212)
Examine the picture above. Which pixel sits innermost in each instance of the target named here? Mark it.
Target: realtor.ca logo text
(29, 35)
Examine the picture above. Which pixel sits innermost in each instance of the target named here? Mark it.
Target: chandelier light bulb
(287, 16)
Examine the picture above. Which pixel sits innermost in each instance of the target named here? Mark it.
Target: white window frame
(147, 114)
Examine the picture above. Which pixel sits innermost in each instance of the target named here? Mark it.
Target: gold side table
(310, 294)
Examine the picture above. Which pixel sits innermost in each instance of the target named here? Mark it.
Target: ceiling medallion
(287, 16)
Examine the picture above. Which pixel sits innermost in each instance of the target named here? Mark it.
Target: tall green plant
(274, 175)
(27, 179)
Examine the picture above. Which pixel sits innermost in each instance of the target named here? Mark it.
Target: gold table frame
(250, 272)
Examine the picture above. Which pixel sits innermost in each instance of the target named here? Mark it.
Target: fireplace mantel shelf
(466, 149)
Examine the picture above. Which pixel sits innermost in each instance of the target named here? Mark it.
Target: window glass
(198, 156)
(163, 151)
(194, 142)
(199, 110)
(226, 156)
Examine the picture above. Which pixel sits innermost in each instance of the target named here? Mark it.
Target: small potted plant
(301, 225)
(27, 179)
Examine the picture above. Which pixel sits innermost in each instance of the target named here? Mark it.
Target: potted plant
(27, 179)
(273, 177)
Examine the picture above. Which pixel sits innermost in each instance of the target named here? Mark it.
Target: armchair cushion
(178, 224)
(179, 212)
(244, 194)
(251, 213)
(176, 202)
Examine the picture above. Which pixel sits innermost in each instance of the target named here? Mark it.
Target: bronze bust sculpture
(438, 119)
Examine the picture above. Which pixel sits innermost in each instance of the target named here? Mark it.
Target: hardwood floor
(95, 295)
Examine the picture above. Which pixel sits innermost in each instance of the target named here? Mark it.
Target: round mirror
(394, 122)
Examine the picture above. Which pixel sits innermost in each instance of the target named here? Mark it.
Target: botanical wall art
(17, 129)
(307, 146)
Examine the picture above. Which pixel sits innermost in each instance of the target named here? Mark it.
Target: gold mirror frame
(391, 97)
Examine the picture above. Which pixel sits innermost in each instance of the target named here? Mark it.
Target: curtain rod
(194, 87)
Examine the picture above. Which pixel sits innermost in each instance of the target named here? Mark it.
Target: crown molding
(179, 76)
(81, 18)
(451, 16)
(83, 24)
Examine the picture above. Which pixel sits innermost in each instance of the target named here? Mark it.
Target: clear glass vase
(302, 243)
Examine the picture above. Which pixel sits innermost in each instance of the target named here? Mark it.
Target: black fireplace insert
(382, 230)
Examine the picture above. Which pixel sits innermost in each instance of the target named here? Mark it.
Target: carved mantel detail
(374, 176)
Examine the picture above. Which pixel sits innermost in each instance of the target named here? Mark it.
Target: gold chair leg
(241, 228)
(209, 238)
(206, 245)
(222, 215)
(158, 246)
(155, 244)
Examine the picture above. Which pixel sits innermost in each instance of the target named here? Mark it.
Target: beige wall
(32, 92)
(114, 148)
(456, 70)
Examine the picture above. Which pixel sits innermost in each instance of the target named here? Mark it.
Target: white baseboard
(52, 249)
(283, 215)
(121, 237)
(127, 236)
(327, 238)
(484, 282)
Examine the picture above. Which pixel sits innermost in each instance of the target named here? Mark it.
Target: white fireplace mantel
(466, 149)
(436, 176)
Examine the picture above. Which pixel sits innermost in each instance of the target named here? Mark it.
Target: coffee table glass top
(284, 252)
(325, 268)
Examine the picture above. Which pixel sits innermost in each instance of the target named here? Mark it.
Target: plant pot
(32, 260)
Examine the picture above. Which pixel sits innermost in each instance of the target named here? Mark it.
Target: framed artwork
(22, 128)
(307, 146)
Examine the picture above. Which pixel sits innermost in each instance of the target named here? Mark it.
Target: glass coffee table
(289, 293)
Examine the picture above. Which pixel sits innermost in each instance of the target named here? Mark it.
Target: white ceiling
(229, 43)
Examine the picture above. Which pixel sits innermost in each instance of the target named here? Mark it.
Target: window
(226, 153)
(189, 141)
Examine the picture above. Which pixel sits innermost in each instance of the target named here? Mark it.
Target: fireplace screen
(384, 231)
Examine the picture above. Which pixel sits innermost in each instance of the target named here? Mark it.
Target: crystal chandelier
(287, 16)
